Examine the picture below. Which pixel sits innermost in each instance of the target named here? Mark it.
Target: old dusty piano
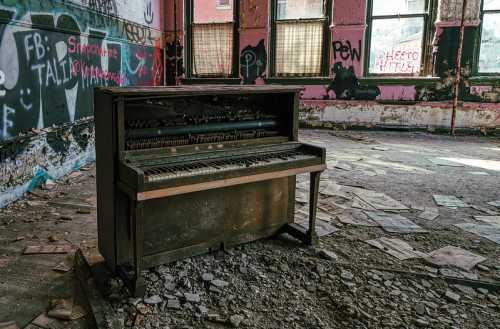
(183, 171)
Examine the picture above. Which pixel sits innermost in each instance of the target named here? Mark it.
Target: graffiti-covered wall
(370, 82)
(52, 55)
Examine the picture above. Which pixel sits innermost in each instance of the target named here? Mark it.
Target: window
(397, 30)
(300, 35)
(489, 53)
(212, 37)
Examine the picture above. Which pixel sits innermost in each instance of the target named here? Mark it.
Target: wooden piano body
(183, 171)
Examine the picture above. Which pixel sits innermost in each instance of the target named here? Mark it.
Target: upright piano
(183, 171)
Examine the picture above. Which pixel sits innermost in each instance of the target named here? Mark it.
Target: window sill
(399, 81)
(299, 80)
(211, 81)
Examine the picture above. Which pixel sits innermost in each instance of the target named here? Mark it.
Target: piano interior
(186, 170)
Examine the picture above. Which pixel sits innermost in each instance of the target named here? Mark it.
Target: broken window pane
(396, 45)
(212, 11)
(491, 5)
(489, 54)
(299, 48)
(398, 7)
(299, 9)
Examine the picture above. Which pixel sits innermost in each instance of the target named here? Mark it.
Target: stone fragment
(236, 320)
(192, 298)
(174, 304)
(327, 254)
(420, 309)
(483, 291)
(207, 277)
(346, 275)
(153, 300)
(219, 283)
(422, 323)
(452, 297)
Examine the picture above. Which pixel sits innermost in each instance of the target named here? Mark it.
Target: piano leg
(309, 236)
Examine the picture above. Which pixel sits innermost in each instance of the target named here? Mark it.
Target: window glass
(396, 45)
(489, 55)
(211, 11)
(398, 7)
(299, 9)
(491, 5)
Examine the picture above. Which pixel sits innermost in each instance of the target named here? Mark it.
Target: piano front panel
(239, 213)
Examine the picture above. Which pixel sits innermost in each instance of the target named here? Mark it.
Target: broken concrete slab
(449, 201)
(47, 249)
(379, 201)
(355, 217)
(445, 163)
(322, 228)
(9, 325)
(488, 219)
(494, 203)
(486, 230)
(456, 257)
(397, 248)
(429, 213)
(485, 210)
(394, 223)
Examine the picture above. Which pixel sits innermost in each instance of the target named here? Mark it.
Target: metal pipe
(200, 129)
(458, 69)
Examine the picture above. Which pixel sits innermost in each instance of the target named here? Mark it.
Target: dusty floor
(277, 283)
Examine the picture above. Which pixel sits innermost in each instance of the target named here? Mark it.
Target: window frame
(426, 46)
(188, 46)
(479, 39)
(325, 56)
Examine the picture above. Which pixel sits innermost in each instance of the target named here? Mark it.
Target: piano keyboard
(160, 173)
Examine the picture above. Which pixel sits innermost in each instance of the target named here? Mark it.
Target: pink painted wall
(209, 11)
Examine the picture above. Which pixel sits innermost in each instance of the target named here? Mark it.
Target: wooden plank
(162, 193)
(200, 90)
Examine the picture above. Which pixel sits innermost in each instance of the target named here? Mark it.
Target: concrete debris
(488, 219)
(65, 309)
(346, 275)
(449, 201)
(456, 257)
(380, 201)
(397, 248)
(9, 325)
(323, 228)
(207, 277)
(343, 166)
(355, 217)
(301, 196)
(478, 173)
(395, 223)
(47, 249)
(362, 205)
(64, 266)
(486, 230)
(153, 300)
(174, 304)
(236, 320)
(445, 163)
(380, 148)
(327, 254)
(494, 204)
(451, 296)
(219, 283)
(429, 213)
(485, 210)
(192, 298)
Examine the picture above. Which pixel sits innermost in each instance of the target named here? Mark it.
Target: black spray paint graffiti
(346, 85)
(253, 63)
(107, 7)
(47, 78)
(149, 15)
(345, 51)
(173, 62)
